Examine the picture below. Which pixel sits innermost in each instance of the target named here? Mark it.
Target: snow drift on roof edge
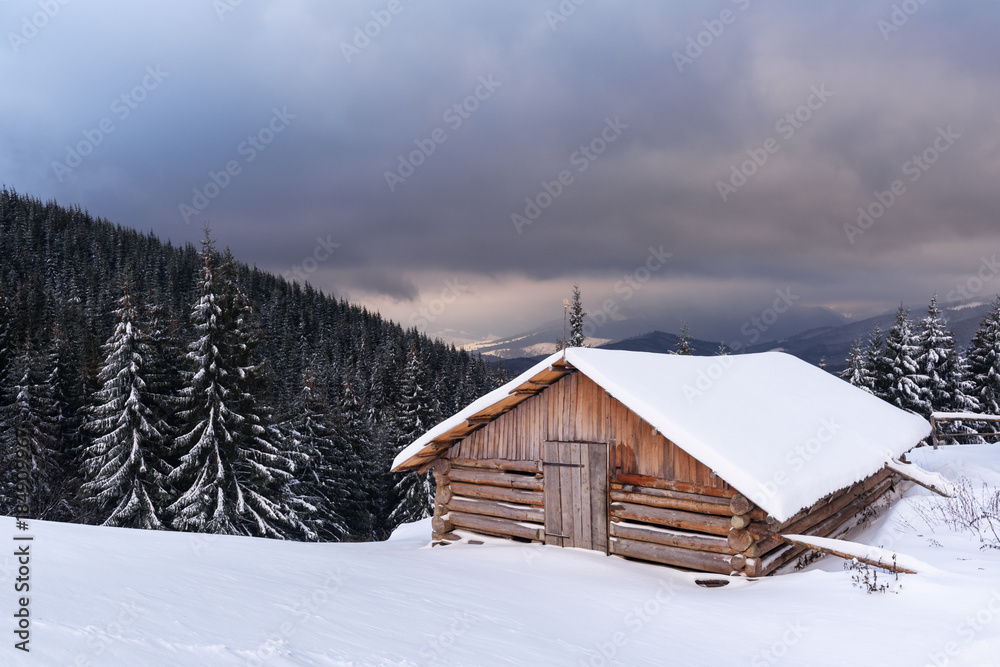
(781, 431)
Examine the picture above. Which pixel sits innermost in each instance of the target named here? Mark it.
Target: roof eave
(533, 386)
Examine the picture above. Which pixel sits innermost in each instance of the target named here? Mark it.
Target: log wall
(679, 528)
(492, 497)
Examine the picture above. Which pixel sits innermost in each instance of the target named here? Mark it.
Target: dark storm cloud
(542, 88)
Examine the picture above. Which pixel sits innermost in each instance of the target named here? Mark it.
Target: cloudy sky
(457, 165)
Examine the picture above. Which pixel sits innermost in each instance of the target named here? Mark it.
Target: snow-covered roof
(781, 431)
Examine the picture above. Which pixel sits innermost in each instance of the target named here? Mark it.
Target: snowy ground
(102, 596)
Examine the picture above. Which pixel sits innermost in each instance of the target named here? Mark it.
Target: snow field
(112, 596)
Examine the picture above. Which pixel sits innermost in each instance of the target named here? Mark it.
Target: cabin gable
(577, 409)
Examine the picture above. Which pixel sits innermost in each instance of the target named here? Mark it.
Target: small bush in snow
(865, 576)
(977, 512)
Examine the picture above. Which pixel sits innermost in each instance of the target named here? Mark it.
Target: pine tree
(320, 487)
(879, 368)
(232, 478)
(935, 358)
(416, 413)
(857, 371)
(5, 334)
(684, 341)
(984, 361)
(29, 438)
(576, 317)
(164, 367)
(906, 386)
(359, 508)
(67, 389)
(960, 392)
(125, 472)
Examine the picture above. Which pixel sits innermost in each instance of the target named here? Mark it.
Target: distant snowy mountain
(712, 328)
(834, 343)
(831, 343)
(540, 341)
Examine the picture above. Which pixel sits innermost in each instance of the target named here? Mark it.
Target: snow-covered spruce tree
(355, 432)
(576, 316)
(984, 361)
(230, 475)
(877, 363)
(683, 341)
(935, 357)
(165, 364)
(5, 342)
(960, 391)
(857, 371)
(320, 487)
(415, 413)
(906, 386)
(123, 464)
(66, 389)
(29, 435)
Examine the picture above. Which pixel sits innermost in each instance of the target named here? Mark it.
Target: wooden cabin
(695, 462)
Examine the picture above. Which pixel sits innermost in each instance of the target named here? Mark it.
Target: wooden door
(576, 494)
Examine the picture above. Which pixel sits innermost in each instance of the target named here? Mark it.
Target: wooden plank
(553, 505)
(495, 509)
(494, 526)
(496, 478)
(670, 538)
(599, 497)
(670, 485)
(846, 556)
(581, 494)
(909, 471)
(672, 503)
(701, 561)
(502, 406)
(776, 560)
(534, 498)
(499, 464)
(702, 523)
(566, 490)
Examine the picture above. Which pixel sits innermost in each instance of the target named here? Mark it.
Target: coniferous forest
(148, 385)
(152, 386)
(920, 368)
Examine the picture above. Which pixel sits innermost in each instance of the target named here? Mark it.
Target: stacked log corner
(742, 538)
(489, 496)
(441, 525)
(755, 537)
(657, 522)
